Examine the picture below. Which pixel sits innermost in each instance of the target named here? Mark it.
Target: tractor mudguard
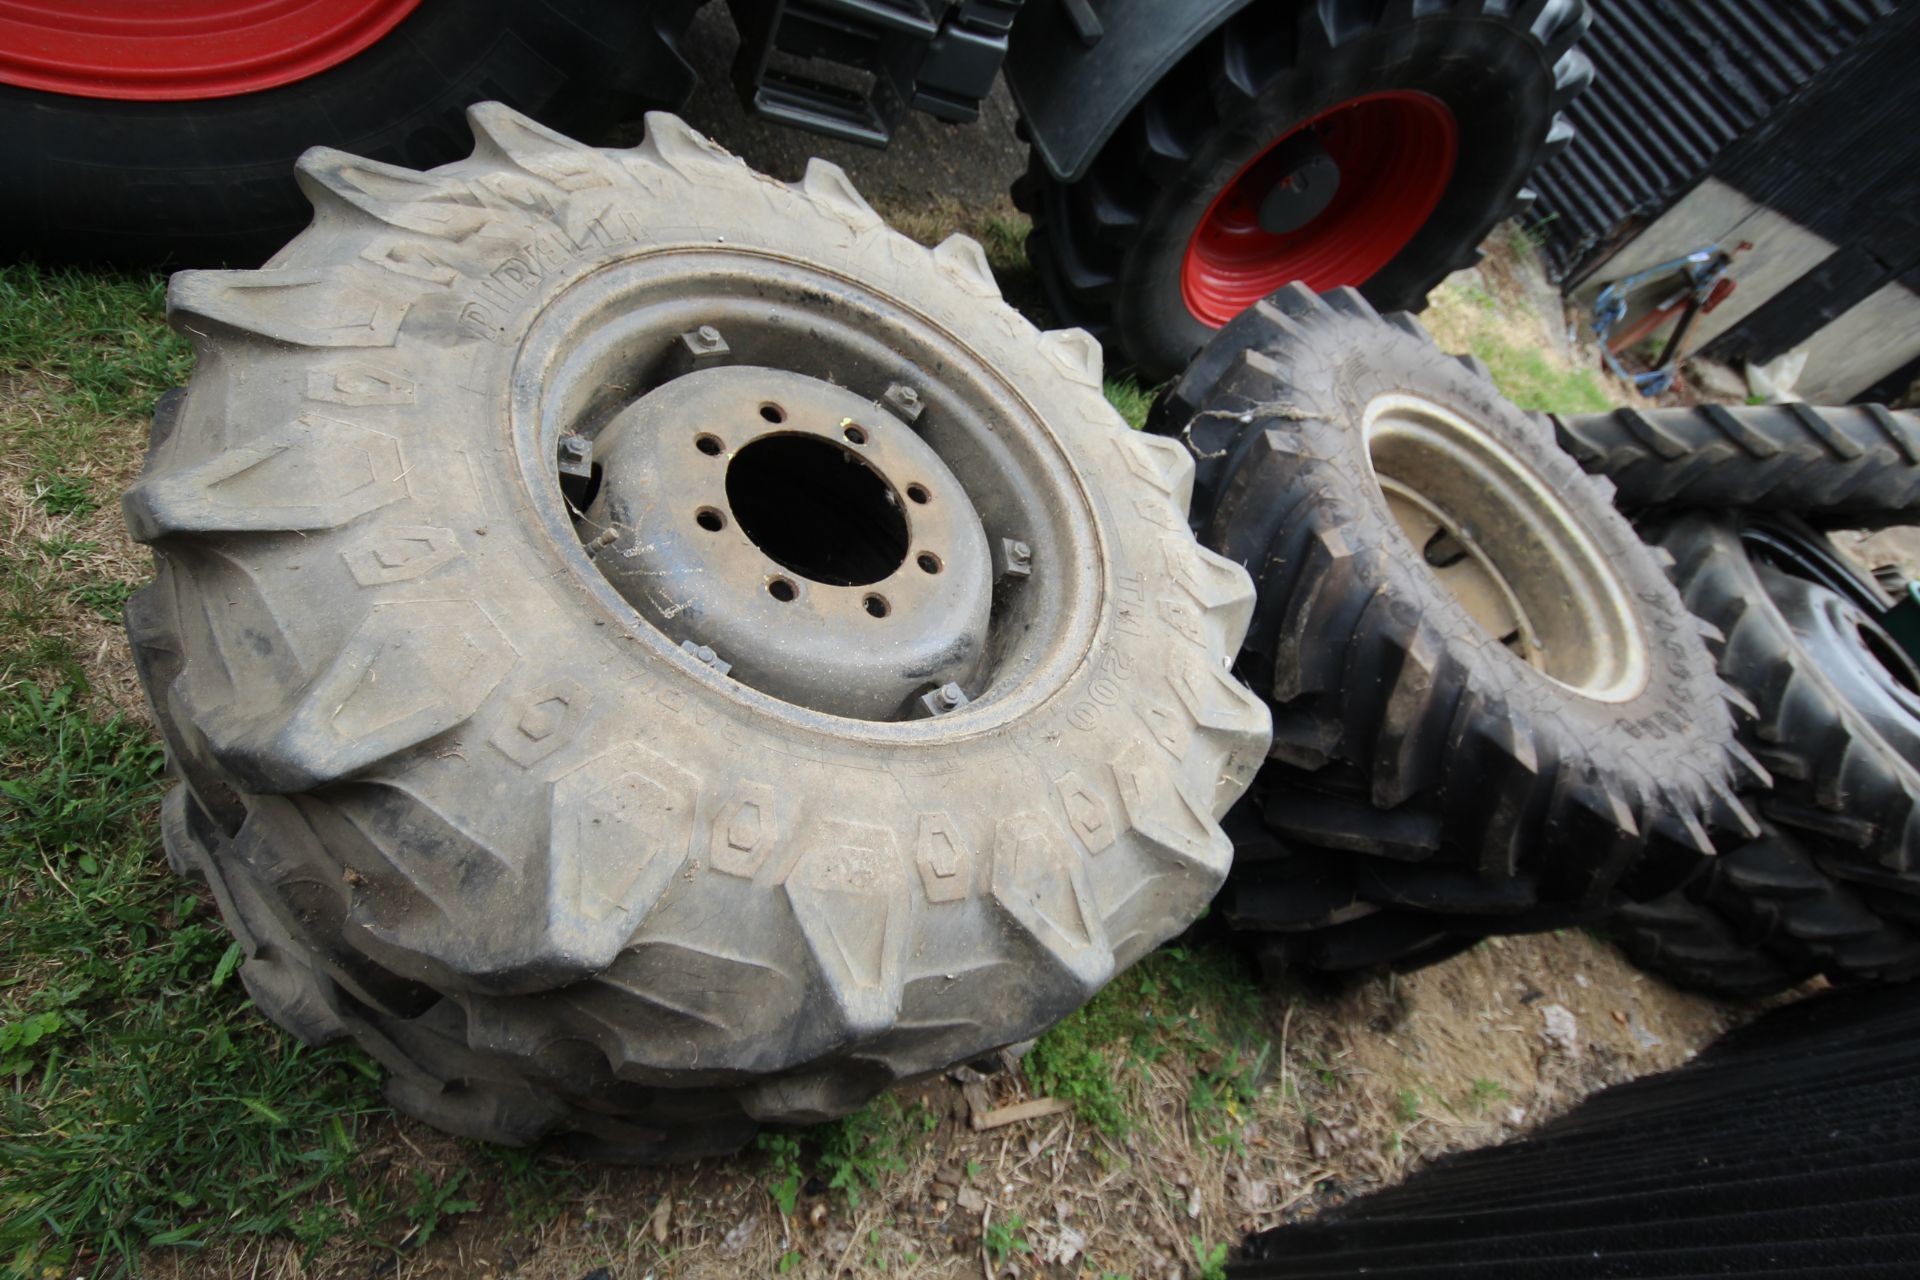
(1077, 67)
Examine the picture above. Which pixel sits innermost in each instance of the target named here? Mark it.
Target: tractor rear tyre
(166, 134)
(1333, 143)
(649, 650)
(1491, 709)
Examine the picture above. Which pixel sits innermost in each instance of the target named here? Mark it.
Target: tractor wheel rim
(785, 519)
(1503, 543)
(189, 49)
(842, 513)
(1395, 153)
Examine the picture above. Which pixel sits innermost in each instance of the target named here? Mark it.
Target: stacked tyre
(1492, 711)
(648, 650)
(1830, 699)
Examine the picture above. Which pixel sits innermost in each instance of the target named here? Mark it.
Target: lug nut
(1016, 558)
(904, 401)
(948, 697)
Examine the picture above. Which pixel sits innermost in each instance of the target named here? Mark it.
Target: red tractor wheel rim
(178, 50)
(1395, 153)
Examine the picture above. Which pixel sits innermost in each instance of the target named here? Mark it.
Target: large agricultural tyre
(650, 650)
(146, 134)
(1333, 142)
(1492, 712)
(1833, 887)
(1856, 467)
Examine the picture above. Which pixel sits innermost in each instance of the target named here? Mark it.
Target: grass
(98, 335)
(851, 1155)
(1197, 1008)
(1526, 377)
(83, 356)
(145, 1105)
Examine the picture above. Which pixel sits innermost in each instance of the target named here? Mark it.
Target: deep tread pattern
(1763, 918)
(1833, 885)
(1420, 771)
(555, 882)
(1107, 247)
(1855, 467)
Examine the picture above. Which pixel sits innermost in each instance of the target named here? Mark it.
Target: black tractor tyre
(1833, 711)
(1764, 917)
(455, 529)
(1856, 467)
(1420, 764)
(1110, 247)
(208, 182)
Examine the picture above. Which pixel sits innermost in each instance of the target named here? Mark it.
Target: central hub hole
(816, 509)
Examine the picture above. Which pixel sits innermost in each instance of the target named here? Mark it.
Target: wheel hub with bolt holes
(808, 537)
(1506, 547)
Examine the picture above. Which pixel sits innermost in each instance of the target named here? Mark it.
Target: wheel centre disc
(809, 538)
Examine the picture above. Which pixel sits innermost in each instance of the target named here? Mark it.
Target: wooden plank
(1019, 1111)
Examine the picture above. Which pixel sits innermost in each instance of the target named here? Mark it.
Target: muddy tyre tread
(1449, 780)
(436, 865)
(1852, 467)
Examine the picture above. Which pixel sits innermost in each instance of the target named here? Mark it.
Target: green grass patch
(1526, 377)
(101, 334)
(142, 1102)
(1132, 402)
(1199, 1006)
(83, 356)
(852, 1155)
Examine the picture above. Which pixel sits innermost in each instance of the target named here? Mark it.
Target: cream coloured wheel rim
(1506, 546)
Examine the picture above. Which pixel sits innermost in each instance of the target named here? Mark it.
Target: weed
(433, 1201)
(1005, 1239)
(1005, 241)
(1212, 1259)
(785, 1177)
(1528, 238)
(1406, 1105)
(1484, 1093)
(788, 1261)
(104, 596)
(535, 1189)
(860, 1150)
